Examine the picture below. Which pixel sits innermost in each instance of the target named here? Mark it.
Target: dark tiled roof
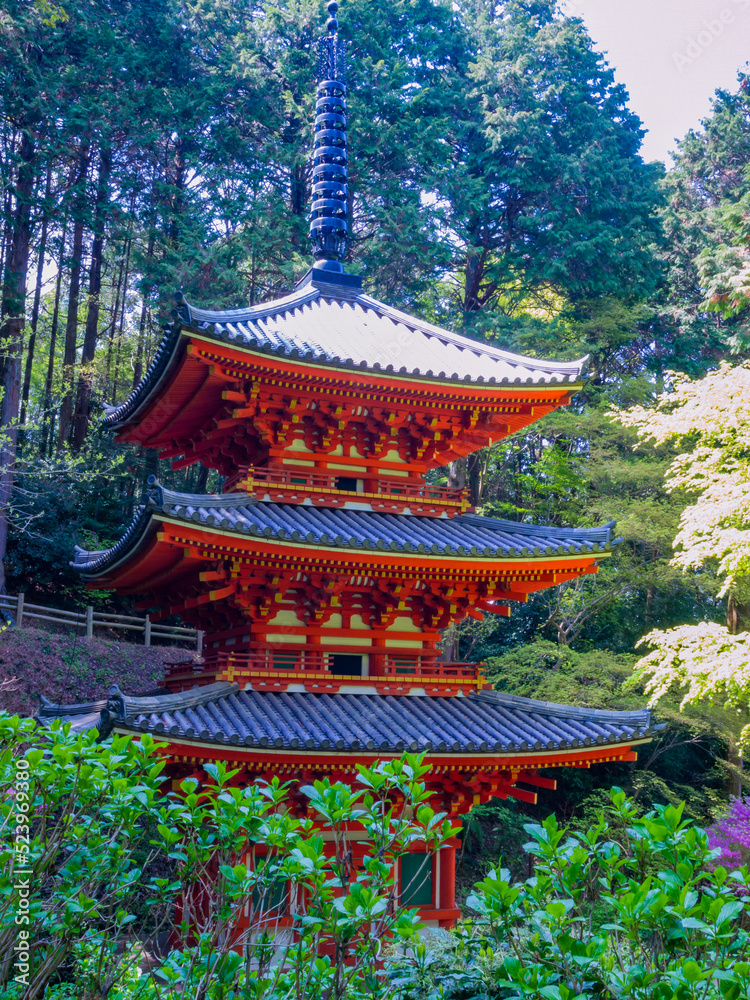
(484, 722)
(466, 535)
(81, 717)
(340, 326)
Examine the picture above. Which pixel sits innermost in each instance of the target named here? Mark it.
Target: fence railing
(18, 610)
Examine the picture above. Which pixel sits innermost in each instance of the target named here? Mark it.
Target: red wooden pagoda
(324, 573)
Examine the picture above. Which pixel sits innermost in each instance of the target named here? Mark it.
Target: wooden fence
(17, 611)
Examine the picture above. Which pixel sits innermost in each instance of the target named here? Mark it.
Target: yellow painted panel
(403, 624)
(286, 618)
(337, 640)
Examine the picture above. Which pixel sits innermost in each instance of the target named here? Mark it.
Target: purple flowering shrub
(731, 834)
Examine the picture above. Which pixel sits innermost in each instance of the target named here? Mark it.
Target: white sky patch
(671, 55)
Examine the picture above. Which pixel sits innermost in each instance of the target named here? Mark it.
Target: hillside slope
(69, 668)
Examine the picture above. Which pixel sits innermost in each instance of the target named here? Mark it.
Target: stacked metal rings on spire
(328, 226)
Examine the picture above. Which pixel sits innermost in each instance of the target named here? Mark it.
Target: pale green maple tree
(710, 418)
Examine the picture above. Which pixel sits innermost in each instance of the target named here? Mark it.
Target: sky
(671, 55)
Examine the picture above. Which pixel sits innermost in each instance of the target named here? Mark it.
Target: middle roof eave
(464, 536)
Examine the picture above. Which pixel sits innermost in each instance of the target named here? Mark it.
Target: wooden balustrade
(282, 670)
(307, 661)
(290, 485)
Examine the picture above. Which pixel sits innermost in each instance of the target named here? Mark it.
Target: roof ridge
(206, 500)
(124, 706)
(467, 343)
(524, 528)
(51, 709)
(190, 314)
(558, 710)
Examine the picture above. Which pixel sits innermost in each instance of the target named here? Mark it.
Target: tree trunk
(473, 271)
(11, 333)
(138, 366)
(48, 436)
(457, 474)
(37, 299)
(738, 615)
(449, 643)
(74, 289)
(85, 380)
(475, 468)
(7, 237)
(113, 330)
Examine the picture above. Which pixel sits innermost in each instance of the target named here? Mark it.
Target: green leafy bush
(112, 859)
(632, 908)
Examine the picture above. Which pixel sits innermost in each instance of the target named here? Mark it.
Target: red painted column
(448, 909)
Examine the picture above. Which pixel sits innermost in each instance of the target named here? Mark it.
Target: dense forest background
(496, 188)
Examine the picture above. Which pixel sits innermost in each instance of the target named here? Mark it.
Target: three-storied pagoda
(324, 574)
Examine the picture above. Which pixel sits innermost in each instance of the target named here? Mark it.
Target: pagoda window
(345, 663)
(273, 901)
(283, 660)
(348, 483)
(416, 879)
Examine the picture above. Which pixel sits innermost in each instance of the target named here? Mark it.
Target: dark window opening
(416, 879)
(273, 899)
(346, 483)
(344, 663)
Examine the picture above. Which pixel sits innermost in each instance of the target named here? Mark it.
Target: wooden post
(19, 610)
(147, 632)
(89, 622)
(199, 643)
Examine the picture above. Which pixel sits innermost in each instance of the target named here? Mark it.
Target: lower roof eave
(567, 756)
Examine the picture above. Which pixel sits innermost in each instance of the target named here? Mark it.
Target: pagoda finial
(328, 225)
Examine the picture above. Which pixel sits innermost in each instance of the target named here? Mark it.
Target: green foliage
(492, 832)
(684, 761)
(72, 816)
(113, 859)
(548, 194)
(703, 223)
(630, 907)
(708, 420)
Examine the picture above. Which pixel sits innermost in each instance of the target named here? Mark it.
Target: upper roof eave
(239, 329)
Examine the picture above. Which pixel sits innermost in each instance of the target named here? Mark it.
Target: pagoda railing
(274, 668)
(325, 488)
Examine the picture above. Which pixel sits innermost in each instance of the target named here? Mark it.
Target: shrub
(633, 908)
(731, 834)
(104, 837)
